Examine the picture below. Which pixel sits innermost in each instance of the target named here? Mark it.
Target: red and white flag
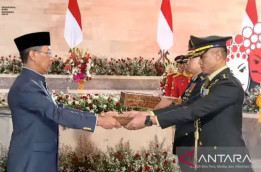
(73, 25)
(250, 17)
(165, 32)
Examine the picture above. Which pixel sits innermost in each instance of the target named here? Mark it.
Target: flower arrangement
(57, 67)
(121, 158)
(79, 65)
(10, 64)
(250, 100)
(155, 158)
(125, 66)
(96, 103)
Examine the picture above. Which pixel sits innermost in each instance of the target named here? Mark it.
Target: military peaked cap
(202, 44)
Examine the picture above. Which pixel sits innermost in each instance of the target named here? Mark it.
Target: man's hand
(164, 102)
(138, 121)
(110, 113)
(107, 121)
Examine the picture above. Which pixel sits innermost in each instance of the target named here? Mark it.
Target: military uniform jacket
(179, 85)
(169, 79)
(35, 116)
(220, 112)
(184, 134)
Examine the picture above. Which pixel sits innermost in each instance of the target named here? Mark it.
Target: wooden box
(142, 100)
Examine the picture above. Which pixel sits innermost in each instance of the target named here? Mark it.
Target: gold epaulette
(187, 75)
(170, 74)
(224, 76)
(176, 75)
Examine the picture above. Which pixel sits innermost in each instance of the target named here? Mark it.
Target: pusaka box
(142, 100)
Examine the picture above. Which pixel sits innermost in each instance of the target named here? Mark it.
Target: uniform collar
(32, 74)
(217, 72)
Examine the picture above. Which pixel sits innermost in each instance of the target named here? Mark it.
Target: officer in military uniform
(181, 80)
(184, 134)
(169, 78)
(35, 115)
(217, 114)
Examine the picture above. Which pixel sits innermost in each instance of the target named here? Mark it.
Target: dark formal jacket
(219, 111)
(184, 134)
(35, 116)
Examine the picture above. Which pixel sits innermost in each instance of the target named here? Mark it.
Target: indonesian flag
(165, 32)
(250, 17)
(73, 25)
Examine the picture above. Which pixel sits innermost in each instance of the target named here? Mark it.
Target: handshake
(131, 120)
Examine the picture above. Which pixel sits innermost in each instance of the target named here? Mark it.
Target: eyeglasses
(48, 52)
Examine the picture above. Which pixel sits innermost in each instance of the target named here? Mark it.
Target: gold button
(186, 134)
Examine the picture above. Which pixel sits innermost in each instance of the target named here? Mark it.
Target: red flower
(87, 57)
(90, 78)
(73, 103)
(137, 156)
(76, 160)
(60, 98)
(3, 100)
(90, 105)
(165, 162)
(129, 168)
(147, 154)
(67, 96)
(140, 169)
(174, 161)
(147, 168)
(122, 158)
(158, 169)
(118, 105)
(165, 153)
(118, 155)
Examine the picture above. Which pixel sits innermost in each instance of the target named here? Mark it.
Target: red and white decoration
(165, 31)
(252, 37)
(237, 60)
(73, 25)
(250, 17)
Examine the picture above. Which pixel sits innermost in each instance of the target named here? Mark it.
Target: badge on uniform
(205, 92)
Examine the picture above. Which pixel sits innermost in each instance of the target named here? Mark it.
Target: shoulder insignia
(224, 76)
(176, 75)
(202, 78)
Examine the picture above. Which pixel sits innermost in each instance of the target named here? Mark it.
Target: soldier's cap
(191, 49)
(32, 40)
(181, 59)
(203, 44)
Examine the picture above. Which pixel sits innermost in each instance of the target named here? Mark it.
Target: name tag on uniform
(205, 92)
